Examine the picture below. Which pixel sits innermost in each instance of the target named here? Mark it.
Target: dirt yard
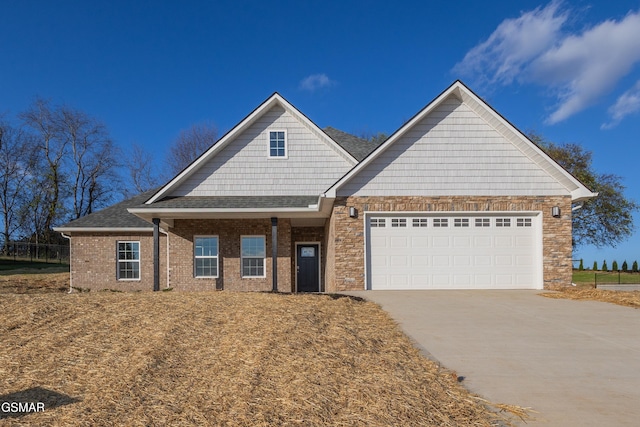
(234, 359)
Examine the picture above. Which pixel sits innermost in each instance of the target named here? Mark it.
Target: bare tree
(140, 166)
(93, 160)
(17, 159)
(43, 121)
(190, 144)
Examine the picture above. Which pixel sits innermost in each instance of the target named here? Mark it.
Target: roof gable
(458, 145)
(238, 161)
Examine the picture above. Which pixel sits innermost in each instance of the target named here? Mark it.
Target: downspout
(70, 258)
(166, 233)
(274, 254)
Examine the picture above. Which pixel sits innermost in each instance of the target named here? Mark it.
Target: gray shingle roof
(357, 147)
(115, 216)
(234, 202)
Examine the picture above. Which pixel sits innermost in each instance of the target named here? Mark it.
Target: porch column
(274, 254)
(156, 254)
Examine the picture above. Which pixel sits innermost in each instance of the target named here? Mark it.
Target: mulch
(221, 358)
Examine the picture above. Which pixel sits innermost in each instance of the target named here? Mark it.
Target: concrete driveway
(577, 363)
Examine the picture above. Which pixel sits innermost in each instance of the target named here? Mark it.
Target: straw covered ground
(625, 298)
(219, 358)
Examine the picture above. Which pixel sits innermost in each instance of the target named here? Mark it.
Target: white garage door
(453, 251)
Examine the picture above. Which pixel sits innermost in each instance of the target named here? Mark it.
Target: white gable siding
(243, 168)
(452, 152)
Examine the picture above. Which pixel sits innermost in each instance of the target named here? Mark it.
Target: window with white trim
(205, 256)
(440, 222)
(377, 222)
(483, 222)
(277, 144)
(253, 250)
(420, 222)
(503, 222)
(461, 222)
(523, 222)
(398, 222)
(128, 260)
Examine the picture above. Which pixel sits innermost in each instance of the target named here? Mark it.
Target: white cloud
(513, 45)
(315, 82)
(579, 68)
(628, 103)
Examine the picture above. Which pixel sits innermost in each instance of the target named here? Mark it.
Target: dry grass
(220, 358)
(30, 283)
(625, 298)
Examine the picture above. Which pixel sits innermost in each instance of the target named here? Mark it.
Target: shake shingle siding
(243, 168)
(452, 152)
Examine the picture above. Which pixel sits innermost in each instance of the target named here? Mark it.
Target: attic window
(278, 144)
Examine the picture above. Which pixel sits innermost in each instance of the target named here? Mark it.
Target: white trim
(264, 260)
(217, 257)
(537, 224)
(275, 99)
(319, 263)
(118, 261)
(286, 145)
(103, 229)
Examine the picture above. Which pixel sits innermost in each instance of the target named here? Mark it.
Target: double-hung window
(253, 253)
(128, 260)
(278, 144)
(206, 256)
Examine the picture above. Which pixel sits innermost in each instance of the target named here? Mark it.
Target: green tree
(634, 267)
(604, 266)
(625, 266)
(614, 265)
(595, 266)
(605, 220)
(581, 266)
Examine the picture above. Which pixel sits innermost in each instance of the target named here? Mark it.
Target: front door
(308, 268)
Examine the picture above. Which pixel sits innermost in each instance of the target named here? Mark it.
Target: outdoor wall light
(555, 211)
(353, 212)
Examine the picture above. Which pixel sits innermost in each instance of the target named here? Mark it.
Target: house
(456, 198)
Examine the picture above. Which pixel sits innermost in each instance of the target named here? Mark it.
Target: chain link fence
(36, 252)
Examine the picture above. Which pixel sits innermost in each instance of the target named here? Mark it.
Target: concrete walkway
(577, 363)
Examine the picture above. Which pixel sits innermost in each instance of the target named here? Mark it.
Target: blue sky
(569, 70)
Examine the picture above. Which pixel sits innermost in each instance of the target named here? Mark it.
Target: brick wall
(345, 235)
(94, 262)
(229, 262)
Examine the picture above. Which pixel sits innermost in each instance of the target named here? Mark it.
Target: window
(420, 222)
(205, 256)
(128, 260)
(398, 222)
(523, 222)
(278, 144)
(503, 222)
(461, 222)
(377, 222)
(440, 222)
(253, 253)
(483, 222)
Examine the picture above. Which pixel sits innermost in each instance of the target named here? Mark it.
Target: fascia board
(103, 229)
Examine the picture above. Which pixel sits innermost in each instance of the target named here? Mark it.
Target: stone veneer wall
(345, 264)
(94, 262)
(229, 232)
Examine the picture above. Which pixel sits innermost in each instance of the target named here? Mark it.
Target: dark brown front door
(308, 268)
